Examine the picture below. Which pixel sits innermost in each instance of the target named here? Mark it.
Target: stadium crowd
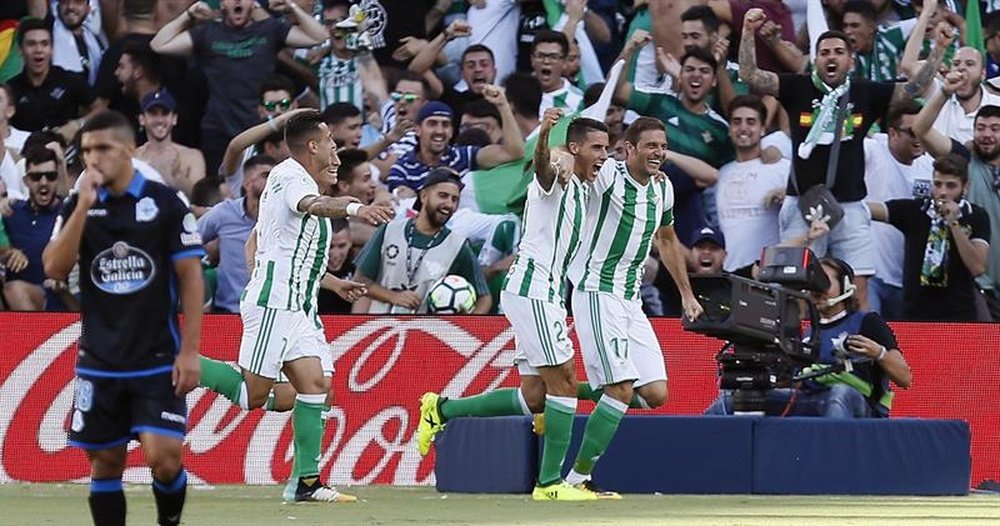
(408, 88)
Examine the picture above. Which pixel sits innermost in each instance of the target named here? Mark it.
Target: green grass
(65, 504)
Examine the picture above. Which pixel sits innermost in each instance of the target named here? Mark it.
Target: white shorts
(540, 332)
(273, 337)
(617, 341)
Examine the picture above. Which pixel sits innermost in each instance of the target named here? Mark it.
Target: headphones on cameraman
(847, 280)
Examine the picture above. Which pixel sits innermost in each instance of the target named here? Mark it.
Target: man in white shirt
(896, 167)
(749, 191)
(955, 119)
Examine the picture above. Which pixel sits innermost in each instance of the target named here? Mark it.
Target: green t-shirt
(704, 136)
(369, 260)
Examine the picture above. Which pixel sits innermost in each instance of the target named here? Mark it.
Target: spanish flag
(10, 56)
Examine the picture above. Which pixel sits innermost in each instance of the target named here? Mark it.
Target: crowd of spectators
(407, 87)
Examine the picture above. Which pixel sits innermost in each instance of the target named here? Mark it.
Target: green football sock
(221, 378)
(307, 434)
(601, 427)
(585, 392)
(500, 402)
(295, 465)
(559, 413)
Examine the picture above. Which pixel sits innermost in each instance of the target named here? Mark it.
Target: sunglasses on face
(405, 97)
(272, 105)
(37, 176)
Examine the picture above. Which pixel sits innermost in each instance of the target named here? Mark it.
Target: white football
(451, 295)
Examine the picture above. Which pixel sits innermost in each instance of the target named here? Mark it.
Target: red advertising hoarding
(383, 366)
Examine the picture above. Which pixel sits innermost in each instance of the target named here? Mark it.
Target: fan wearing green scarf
(812, 103)
(947, 241)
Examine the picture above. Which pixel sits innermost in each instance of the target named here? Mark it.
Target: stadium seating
(711, 455)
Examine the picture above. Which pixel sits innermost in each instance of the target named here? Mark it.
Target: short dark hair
(143, 56)
(547, 36)
(642, 124)
(702, 55)
(31, 24)
(704, 14)
(413, 76)
(110, 120)
(482, 108)
(300, 127)
(827, 35)
(473, 136)
(988, 111)
(38, 154)
(749, 101)
(864, 8)
(261, 159)
(43, 137)
(477, 48)
(206, 192)
(338, 112)
(277, 83)
(273, 138)
(338, 225)
(350, 159)
(524, 93)
(897, 110)
(953, 164)
(579, 128)
(991, 24)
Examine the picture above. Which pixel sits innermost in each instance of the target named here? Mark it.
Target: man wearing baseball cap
(434, 148)
(707, 253)
(406, 256)
(180, 166)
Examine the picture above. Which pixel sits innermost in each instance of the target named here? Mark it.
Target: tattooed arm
(761, 82)
(916, 86)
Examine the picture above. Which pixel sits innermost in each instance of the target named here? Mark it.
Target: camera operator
(863, 339)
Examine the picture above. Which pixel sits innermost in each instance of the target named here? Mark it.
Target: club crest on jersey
(146, 210)
(122, 269)
(190, 236)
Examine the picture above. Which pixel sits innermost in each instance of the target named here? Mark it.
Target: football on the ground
(451, 295)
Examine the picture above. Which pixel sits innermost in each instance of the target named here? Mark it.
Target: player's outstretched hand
(351, 291)
(376, 214)
(187, 372)
(692, 309)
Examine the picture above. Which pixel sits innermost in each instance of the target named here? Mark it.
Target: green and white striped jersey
(552, 226)
(568, 96)
(292, 247)
(339, 81)
(621, 218)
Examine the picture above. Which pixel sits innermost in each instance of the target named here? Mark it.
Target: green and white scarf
(822, 130)
(934, 270)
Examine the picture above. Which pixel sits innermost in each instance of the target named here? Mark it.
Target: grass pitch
(65, 504)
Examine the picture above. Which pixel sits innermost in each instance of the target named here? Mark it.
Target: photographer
(869, 344)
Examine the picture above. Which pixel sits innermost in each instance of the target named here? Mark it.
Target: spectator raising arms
(236, 54)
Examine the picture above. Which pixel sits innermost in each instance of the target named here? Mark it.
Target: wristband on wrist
(353, 208)
(881, 354)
